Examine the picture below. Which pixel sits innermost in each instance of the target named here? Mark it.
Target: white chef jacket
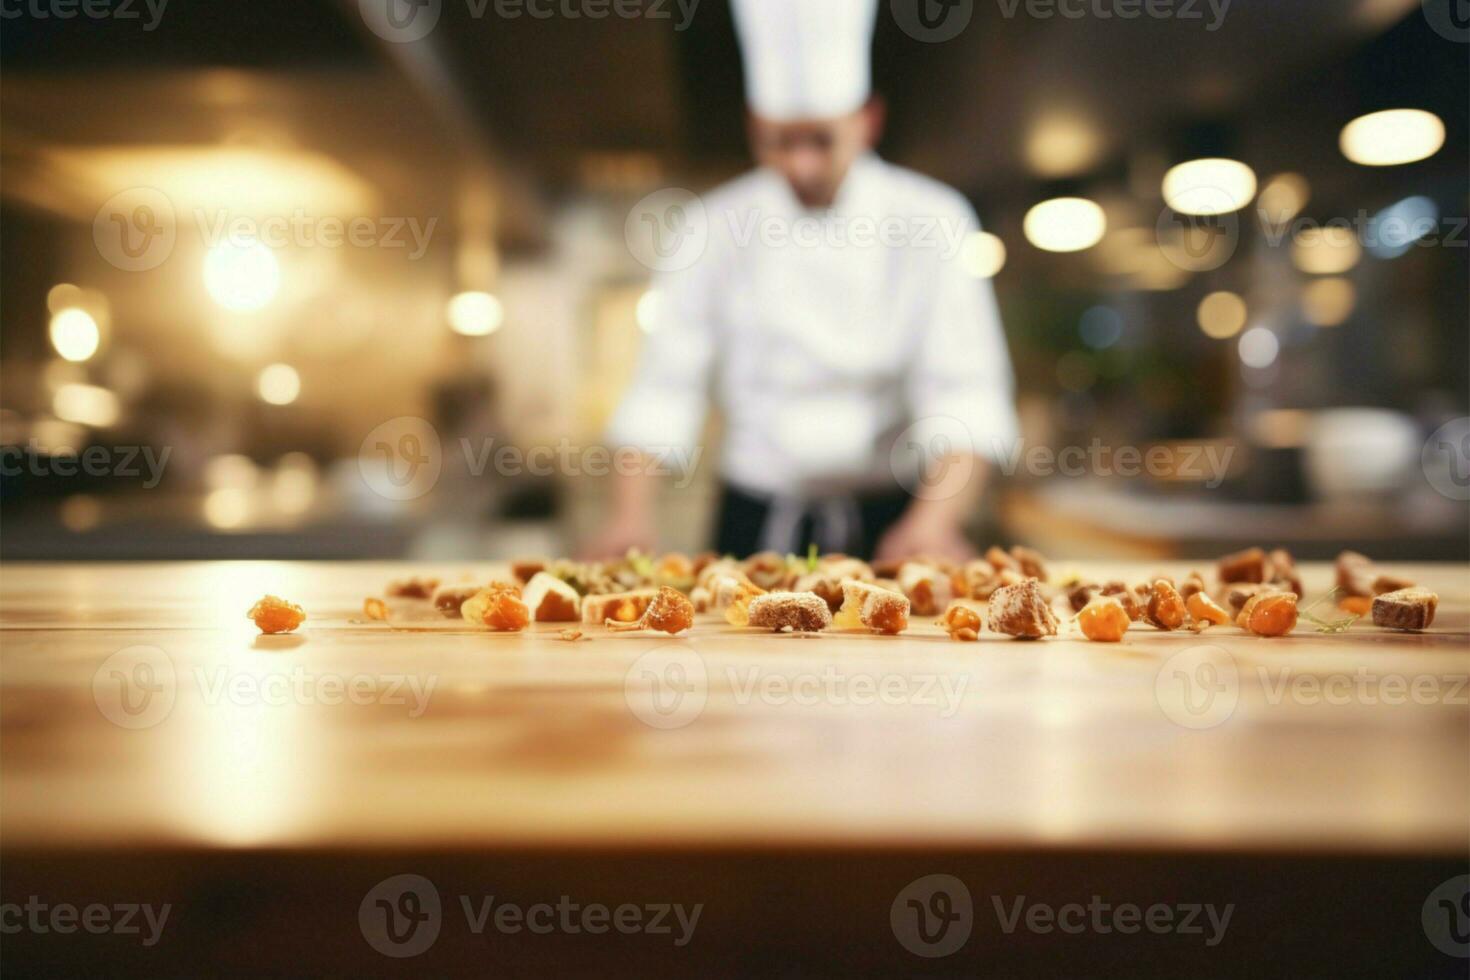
(825, 335)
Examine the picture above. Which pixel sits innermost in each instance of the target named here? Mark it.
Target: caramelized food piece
(1127, 597)
(1021, 611)
(887, 567)
(569, 634)
(1281, 571)
(1080, 594)
(670, 611)
(824, 584)
(1206, 611)
(927, 587)
(1405, 609)
(869, 606)
(451, 598)
(525, 569)
(413, 588)
(1269, 614)
(798, 612)
(1104, 619)
(767, 569)
(625, 607)
(737, 613)
(961, 622)
(273, 614)
(374, 608)
(498, 606)
(1355, 573)
(1165, 607)
(675, 570)
(703, 560)
(1193, 582)
(1358, 605)
(1030, 561)
(551, 600)
(1241, 593)
(1244, 566)
(1390, 583)
(1000, 561)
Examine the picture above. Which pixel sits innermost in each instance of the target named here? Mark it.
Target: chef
(861, 373)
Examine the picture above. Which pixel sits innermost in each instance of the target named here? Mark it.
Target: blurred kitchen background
(1319, 331)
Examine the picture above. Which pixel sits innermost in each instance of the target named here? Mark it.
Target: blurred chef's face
(814, 154)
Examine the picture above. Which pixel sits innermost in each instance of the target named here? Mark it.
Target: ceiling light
(1390, 137)
(241, 277)
(278, 384)
(1328, 302)
(1328, 250)
(74, 334)
(982, 255)
(475, 314)
(1065, 224)
(1221, 315)
(1211, 185)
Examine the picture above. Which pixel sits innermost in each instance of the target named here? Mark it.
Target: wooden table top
(138, 706)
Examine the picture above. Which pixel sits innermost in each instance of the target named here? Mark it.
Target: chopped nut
(1205, 611)
(927, 587)
(1241, 593)
(866, 605)
(800, 612)
(569, 634)
(625, 607)
(1080, 594)
(961, 622)
(1104, 619)
(375, 609)
(1021, 611)
(1355, 573)
(273, 614)
(1281, 570)
(1269, 613)
(451, 598)
(1131, 604)
(1165, 607)
(670, 611)
(1193, 582)
(1001, 561)
(1031, 562)
(1390, 583)
(525, 569)
(551, 600)
(413, 588)
(1244, 566)
(1405, 609)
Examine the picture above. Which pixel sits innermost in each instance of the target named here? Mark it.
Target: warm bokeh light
(1391, 137)
(475, 314)
(1062, 144)
(232, 470)
(278, 384)
(983, 254)
(1211, 185)
(1221, 315)
(1065, 224)
(1283, 197)
(1259, 347)
(74, 334)
(241, 277)
(1328, 302)
(293, 484)
(80, 512)
(226, 508)
(64, 295)
(1325, 251)
(85, 405)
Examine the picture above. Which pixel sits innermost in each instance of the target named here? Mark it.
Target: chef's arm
(934, 524)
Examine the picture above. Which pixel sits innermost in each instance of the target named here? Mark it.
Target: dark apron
(853, 525)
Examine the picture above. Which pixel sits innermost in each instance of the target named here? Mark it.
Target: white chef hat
(805, 59)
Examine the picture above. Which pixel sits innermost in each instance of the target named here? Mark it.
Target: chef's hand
(630, 519)
(934, 525)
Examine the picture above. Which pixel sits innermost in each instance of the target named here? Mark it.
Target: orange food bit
(669, 612)
(1269, 614)
(506, 612)
(1103, 619)
(375, 608)
(273, 614)
(1358, 605)
(1165, 607)
(961, 622)
(1206, 610)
